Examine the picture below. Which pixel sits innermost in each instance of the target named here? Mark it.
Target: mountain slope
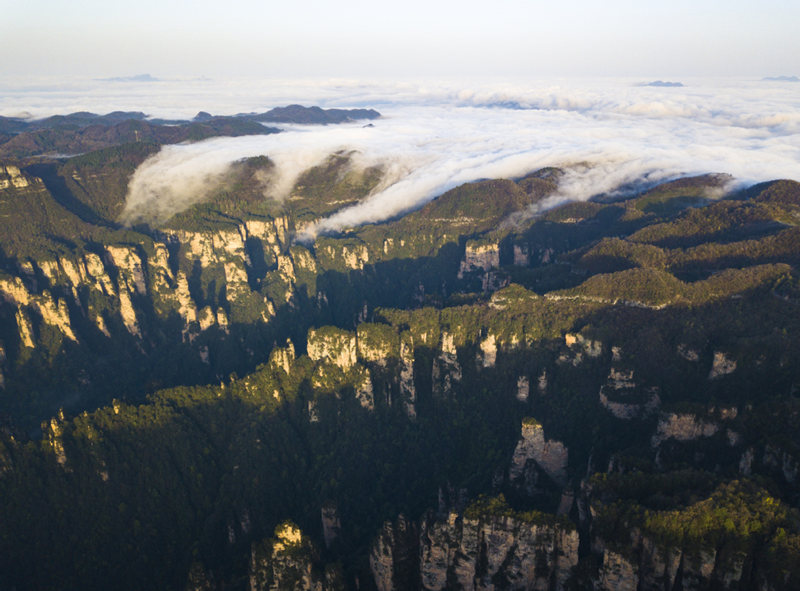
(602, 395)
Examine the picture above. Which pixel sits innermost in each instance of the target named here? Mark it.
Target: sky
(353, 38)
(467, 89)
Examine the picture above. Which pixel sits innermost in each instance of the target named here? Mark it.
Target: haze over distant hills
(782, 79)
(135, 78)
(662, 84)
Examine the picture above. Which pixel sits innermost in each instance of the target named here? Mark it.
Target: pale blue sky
(668, 39)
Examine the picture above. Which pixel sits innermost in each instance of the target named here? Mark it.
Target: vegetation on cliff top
(448, 361)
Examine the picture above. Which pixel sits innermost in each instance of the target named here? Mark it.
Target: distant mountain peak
(662, 84)
(780, 79)
(136, 78)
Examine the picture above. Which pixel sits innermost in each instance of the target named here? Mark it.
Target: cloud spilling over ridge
(180, 176)
(444, 138)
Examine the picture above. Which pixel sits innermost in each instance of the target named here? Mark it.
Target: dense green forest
(601, 395)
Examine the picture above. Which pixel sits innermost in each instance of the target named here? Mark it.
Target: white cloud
(437, 135)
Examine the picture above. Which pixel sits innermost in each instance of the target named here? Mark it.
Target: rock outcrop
(682, 427)
(447, 371)
(331, 525)
(549, 455)
(480, 256)
(408, 389)
(394, 556)
(645, 565)
(332, 345)
(10, 176)
(721, 366)
(485, 551)
(53, 311)
(488, 546)
(626, 400)
(523, 388)
(591, 347)
(289, 561)
(377, 343)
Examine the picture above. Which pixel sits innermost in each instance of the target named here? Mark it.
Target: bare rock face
(10, 176)
(489, 351)
(541, 382)
(658, 569)
(682, 427)
(721, 366)
(333, 345)
(25, 329)
(52, 310)
(313, 411)
(365, 393)
(617, 574)
(487, 546)
(624, 399)
(53, 432)
(647, 565)
(130, 268)
(523, 388)
(746, 461)
(283, 357)
(591, 347)
(331, 525)
(482, 257)
(495, 552)
(198, 579)
(408, 390)
(478, 256)
(447, 371)
(550, 455)
(377, 343)
(394, 557)
(521, 255)
(289, 561)
(688, 353)
(781, 461)
(121, 276)
(354, 256)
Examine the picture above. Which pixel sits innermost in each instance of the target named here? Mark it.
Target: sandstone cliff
(289, 562)
(486, 547)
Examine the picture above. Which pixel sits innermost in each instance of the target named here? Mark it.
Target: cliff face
(682, 427)
(394, 557)
(496, 553)
(52, 311)
(648, 566)
(177, 288)
(534, 450)
(209, 285)
(626, 400)
(366, 419)
(289, 562)
(10, 176)
(333, 345)
(125, 280)
(477, 550)
(481, 259)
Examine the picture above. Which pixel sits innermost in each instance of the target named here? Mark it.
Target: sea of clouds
(436, 135)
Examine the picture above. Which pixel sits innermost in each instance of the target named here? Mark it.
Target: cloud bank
(437, 135)
(434, 138)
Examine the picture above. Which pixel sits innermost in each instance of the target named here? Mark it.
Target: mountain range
(478, 394)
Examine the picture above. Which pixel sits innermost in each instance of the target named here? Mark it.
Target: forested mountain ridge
(83, 132)
(602, 395)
